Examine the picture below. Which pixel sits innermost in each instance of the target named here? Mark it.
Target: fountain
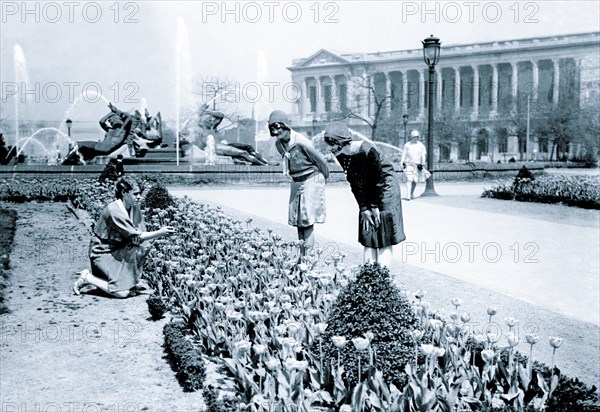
(390, 152)
(21, 78)
(78, 99)
(63, 144)
(183, 77)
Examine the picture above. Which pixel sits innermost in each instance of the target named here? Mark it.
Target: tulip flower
(492, 337)
(260, 349)
(479, 339)
(492, 310)
(420, 293)
(457, 302)
(510, 322)
(435, 323)
(438, 352)
(488, 355)
(338, 341)
(416, 334)
(532, 338)
(320, 327)
(293, 327)
(360, 343)
(465, 317)
(555, 342)
(427, 349)
(273, 363)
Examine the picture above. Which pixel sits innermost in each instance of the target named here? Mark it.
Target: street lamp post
(69, 123)
(431, 55)
(405, 121)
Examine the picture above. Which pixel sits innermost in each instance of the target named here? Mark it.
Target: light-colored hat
(415, 133)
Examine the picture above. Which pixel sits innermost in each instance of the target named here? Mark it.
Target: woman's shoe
(81, 282)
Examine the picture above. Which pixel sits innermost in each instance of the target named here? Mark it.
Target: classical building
(486, 85)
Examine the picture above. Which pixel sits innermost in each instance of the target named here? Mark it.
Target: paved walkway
(525, 254)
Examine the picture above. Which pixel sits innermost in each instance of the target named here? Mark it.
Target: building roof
(326, 57)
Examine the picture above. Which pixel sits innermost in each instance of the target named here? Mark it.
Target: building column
(494, 91)
(334, 100)
(438, 90)
(475, 108)
(555, 81)
(457, 91)
(305, 98)
(421, 94)
(515, 85)
(535, 73)
(405, 92)
(320, 96)
(387, 109)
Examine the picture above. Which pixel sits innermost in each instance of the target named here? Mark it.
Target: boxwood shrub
(372, 303)
(185, 359)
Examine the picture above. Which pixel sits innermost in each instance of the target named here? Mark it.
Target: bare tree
(368, 93)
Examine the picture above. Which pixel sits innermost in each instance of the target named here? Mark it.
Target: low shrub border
(186, 360)
(156, 307)
(8, 226)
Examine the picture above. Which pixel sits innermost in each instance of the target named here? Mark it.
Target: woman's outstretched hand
(167, 230)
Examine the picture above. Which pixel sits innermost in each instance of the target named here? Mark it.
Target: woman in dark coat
(118, 247)
(376, 190)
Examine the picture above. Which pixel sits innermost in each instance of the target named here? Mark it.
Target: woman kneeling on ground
(118, 247)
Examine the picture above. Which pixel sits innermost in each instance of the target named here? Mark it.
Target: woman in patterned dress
(376, 190)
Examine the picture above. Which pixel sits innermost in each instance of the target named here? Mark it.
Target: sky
(151, 53)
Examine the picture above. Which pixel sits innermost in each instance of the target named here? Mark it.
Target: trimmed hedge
(8, 226)
(186, 360)
(372, 304)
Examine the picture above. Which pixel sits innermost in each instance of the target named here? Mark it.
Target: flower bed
(576, 190)
(262, 320)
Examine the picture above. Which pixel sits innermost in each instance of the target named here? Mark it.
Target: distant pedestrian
(414, 157)
(119, 166)
(308, 170)
(376, 190)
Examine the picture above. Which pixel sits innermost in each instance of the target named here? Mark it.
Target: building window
(327, 97)
(443, 89)
(502, 141)
(312, 92)
(543, 144)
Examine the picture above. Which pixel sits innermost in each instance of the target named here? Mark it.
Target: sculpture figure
(239, 152)
(120, 128)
